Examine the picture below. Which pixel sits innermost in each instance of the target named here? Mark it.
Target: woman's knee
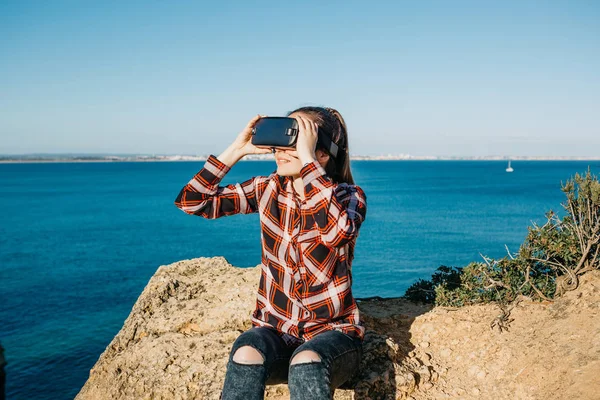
(257, 346)
(248, 355)
(306, 356)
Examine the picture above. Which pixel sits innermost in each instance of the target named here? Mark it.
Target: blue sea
(79, 242)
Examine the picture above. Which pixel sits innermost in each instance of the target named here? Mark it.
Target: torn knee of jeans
(306, 356)
(248, 355)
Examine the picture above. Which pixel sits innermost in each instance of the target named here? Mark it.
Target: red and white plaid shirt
(307, 245)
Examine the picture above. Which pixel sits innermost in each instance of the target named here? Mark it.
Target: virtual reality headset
(282, 132)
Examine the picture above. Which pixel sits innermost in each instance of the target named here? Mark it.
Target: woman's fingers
(308, 126)
(245, 134)
(254, 120)
(314, 128)
(307, 139)
(301, 124)
(261, 150)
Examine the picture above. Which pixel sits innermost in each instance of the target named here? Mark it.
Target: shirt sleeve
(203, 196)
(338, 209)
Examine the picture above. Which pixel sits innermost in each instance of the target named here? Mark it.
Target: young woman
(306, 328)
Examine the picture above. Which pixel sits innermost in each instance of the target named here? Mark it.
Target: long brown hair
(332, 125)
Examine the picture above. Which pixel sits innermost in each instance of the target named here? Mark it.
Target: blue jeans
(340, 358)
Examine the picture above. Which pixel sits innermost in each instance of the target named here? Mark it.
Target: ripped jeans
(340, 358)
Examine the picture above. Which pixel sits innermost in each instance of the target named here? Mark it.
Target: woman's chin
(282, 172)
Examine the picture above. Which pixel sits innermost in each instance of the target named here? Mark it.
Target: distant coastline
(49, 158)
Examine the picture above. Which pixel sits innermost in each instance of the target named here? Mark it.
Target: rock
(176, 340)
(426, 357)
(445, 352)
(473, 370)
(175, 343)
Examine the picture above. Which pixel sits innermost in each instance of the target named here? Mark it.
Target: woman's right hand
(243, 146)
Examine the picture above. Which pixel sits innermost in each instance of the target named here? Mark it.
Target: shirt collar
(283, 181)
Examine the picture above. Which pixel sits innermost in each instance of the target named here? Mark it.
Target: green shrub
(547, 264)
(424, 290)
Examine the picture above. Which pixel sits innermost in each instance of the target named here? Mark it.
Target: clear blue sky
(184, 77)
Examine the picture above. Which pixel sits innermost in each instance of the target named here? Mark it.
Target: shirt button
(306, 313)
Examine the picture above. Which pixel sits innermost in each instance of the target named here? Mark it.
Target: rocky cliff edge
(176, 340)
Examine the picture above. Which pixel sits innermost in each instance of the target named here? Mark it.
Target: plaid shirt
(307, 245)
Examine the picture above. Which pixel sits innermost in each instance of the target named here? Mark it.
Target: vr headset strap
(331, 147)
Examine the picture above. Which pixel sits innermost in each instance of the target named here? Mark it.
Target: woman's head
(332, 125)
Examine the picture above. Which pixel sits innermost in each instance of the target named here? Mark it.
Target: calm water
(79, 242)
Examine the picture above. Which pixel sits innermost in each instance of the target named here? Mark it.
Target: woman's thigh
(340, 353)
(275, 353)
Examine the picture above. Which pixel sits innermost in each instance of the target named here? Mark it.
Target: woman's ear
(322, 156)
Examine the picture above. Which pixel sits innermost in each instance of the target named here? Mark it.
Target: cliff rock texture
(176, 340)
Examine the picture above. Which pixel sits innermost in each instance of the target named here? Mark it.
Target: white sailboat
(509, 168)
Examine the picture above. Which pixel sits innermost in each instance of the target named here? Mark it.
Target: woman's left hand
(307, 139)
